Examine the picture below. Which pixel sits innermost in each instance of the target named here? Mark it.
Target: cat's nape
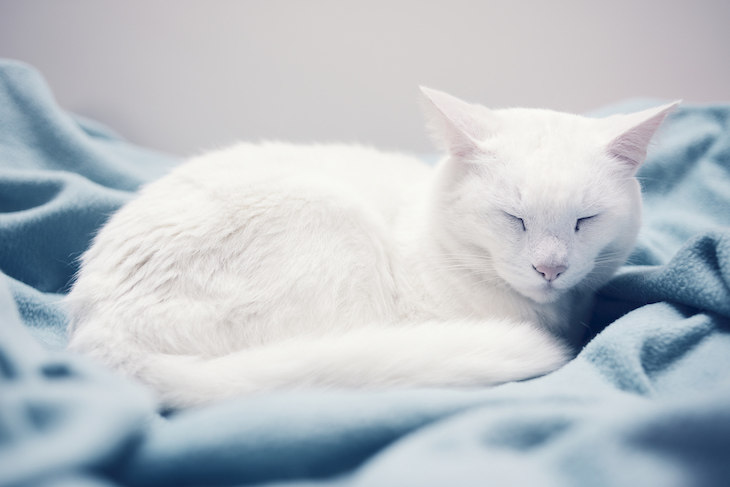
(275, 266)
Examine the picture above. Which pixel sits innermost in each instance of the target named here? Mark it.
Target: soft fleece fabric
(647, 401)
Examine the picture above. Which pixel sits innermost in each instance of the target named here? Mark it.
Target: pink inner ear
(631, 146)
(456, 124)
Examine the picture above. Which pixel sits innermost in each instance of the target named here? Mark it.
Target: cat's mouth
(541, 291)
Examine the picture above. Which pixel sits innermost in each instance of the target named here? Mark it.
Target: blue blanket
(647, 401)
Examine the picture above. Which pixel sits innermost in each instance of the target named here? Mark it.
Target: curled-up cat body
(276, 266)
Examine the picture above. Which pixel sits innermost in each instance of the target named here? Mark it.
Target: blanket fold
(60, 417)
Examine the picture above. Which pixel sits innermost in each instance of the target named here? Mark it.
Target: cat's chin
(543, 294)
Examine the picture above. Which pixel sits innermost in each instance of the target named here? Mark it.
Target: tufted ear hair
(636, 130)
(455, 125)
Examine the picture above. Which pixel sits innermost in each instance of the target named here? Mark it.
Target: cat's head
(548, 200)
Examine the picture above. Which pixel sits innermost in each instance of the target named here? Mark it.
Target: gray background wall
(186, 75)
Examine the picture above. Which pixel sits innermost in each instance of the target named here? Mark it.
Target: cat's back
(274, 236)
(375, 178)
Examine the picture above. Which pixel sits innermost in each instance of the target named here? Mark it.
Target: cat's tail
(424, 355)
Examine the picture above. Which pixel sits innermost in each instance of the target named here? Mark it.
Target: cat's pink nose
(550, 273)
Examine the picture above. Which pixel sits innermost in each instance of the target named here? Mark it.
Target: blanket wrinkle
(694, 435)
(57, 412)
(660, 351)
(36, 133)
(644, 403)
(698, 276)
(26, 194)
(44, 237)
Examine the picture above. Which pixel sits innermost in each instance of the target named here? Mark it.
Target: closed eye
(517, 220)
(580, 221)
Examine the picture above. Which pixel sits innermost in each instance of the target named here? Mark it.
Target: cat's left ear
(636, 131)
(457, 125)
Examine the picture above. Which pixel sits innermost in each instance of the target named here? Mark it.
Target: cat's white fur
(262, 267)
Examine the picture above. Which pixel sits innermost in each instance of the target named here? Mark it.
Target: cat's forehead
(547, 161)
(546, 149)
(527, 131)
(550, 165)
(554, 190)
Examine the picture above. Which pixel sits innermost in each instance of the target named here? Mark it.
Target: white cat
(273, 266)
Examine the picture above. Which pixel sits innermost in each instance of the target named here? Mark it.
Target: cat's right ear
(636, 131)
(456, 125)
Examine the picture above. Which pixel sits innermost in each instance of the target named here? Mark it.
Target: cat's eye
(517, 220)
(582, 220)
